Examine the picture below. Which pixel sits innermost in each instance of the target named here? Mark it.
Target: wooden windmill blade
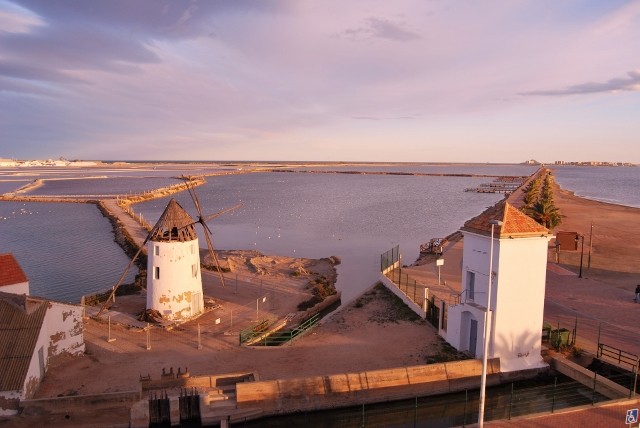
(224, 211)
(124, 274)
(207, 231)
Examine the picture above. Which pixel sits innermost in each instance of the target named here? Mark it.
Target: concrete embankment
(352, 389)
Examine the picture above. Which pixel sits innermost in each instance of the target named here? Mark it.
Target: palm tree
(545, 213)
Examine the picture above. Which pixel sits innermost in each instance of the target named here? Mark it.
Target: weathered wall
(62, 331)
(177, 292)
(349, 389)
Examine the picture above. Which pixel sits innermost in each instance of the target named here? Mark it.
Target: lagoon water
(67, 250)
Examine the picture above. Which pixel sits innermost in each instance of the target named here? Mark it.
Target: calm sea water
(616, 185)
(354, 217)
(67, 250)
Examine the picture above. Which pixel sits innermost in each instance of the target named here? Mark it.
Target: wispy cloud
(630, 83)
(288, 78)
(381, 28)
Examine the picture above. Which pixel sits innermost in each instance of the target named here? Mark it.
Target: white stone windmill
(174, 281)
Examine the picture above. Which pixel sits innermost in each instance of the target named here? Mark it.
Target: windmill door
(196, 303)
(473, 337)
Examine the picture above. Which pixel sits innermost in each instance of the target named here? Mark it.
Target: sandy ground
(352, 339)
(357, 337)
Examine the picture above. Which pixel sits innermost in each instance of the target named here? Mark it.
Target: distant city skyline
(407, 81)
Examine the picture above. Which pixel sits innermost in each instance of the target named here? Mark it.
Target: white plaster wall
(476, 251)
(521, 279)
(172, 293)
(20, 288)
(454, 320)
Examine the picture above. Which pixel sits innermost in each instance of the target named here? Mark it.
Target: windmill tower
(174, 283)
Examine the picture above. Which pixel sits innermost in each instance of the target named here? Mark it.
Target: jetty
(502, 184)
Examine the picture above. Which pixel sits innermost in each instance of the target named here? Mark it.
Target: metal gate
(159, 411)
(190, 408)
(433, 312)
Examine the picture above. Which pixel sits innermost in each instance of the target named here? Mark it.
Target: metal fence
(543, 395)
(419, 294)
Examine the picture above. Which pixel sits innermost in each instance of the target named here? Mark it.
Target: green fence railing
(256, 330)
(390, 257)
(280, 337)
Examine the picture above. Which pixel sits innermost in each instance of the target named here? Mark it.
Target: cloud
(383, 118)
(630, 83)
(27, 72)
(381, 28)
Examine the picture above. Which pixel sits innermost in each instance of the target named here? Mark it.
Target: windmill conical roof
(175, 224)
(514, 222)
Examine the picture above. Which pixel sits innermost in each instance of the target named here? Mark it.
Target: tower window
(471, 285)
(156, 272)
(194, 270)
(156, 250)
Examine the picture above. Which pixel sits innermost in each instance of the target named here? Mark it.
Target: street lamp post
(487, 331)
(590, 240)
(581, 253)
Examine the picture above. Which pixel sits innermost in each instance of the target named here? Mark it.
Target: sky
(329, 80)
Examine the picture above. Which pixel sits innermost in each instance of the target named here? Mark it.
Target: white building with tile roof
(32, 332)
(520, 248)
(12, 277)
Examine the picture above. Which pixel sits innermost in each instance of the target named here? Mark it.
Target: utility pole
(590, 240)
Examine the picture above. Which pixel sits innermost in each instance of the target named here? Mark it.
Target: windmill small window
(156, 272)
(194, 270)
(157, 250)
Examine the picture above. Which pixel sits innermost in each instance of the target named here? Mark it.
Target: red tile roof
(514, 222)
(10, 271)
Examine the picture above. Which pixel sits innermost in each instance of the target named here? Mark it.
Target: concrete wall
(67, 404)
(575, 371)
(177, 293)
(350, 389)
(221, 381)
(407, 301)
